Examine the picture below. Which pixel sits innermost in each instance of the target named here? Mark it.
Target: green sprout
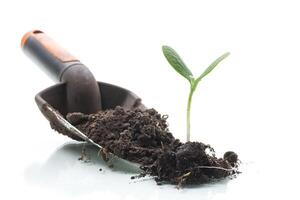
(177, 63)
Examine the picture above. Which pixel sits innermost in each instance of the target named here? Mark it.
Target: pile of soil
(142, 136)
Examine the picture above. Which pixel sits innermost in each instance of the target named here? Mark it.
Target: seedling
(177, 63)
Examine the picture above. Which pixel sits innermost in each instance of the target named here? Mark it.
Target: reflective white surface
(63, 174)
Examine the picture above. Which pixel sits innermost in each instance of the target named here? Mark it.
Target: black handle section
(47, 54)
(83, 93)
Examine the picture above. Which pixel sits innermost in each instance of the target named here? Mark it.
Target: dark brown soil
(143, 137)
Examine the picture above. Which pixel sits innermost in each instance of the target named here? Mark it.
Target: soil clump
(142, 136)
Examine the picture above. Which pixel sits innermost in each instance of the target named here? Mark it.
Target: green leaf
(212, 66)
(177, 63)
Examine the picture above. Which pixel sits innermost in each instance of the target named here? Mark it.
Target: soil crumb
(142, 136)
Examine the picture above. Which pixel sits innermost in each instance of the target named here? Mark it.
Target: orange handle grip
(50, 45)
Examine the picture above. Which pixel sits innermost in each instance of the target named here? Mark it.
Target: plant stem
(188, 115)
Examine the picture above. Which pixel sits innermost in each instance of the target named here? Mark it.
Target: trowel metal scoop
(76, 89)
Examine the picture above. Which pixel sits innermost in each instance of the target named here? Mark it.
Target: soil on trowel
(142, 136)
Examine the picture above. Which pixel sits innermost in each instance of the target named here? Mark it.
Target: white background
(249, 104)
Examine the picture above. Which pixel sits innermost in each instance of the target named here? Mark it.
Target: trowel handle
(83, 94)
(52, 58)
